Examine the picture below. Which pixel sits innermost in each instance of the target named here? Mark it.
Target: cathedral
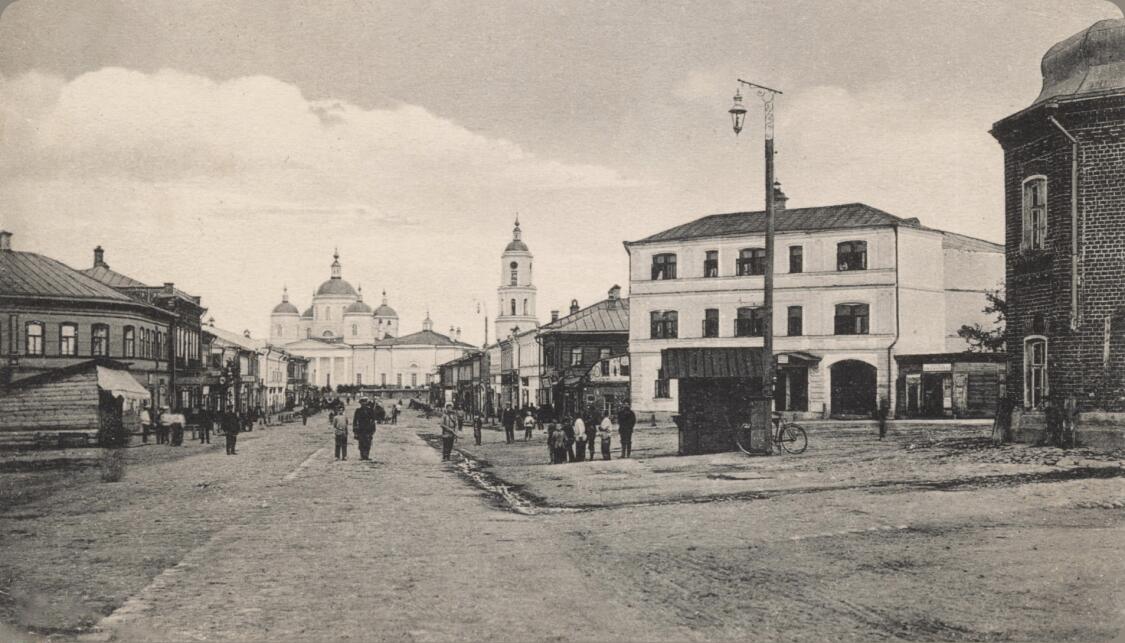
(346, 342)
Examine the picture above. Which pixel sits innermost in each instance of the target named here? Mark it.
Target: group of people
(573, 438)
(168, 427)
(364, 423)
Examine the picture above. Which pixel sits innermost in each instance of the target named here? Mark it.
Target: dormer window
(851, 255)
(663, 267)
(1034, 214)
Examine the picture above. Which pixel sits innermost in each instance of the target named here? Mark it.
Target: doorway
(853, 388)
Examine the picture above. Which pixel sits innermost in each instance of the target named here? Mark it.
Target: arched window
(68, 339)
(355, 330)
(1034, 214)
(525, 308)
(128, 342)
(751, 261)
(1035, 388)
(99, 340)
(34, 340)
(513, 308)
(515, 268)
(328, 312)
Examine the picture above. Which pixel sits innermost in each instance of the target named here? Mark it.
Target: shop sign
(937, 368)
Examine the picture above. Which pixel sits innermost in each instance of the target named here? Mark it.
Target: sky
(230, 147)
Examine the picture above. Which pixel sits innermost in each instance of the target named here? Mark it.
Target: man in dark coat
(508, 419)
(363, 425)
(231, 427)
(626, 420)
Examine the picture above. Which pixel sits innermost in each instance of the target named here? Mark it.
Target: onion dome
(358, 307)
(285, 308)
(1090, 62)
(336, 284)
(308, 314)
(384, 310)
(516, 244)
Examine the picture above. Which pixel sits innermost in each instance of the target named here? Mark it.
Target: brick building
(1064, 160)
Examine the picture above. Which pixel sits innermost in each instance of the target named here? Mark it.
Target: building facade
(1064, 159)
(854, 286)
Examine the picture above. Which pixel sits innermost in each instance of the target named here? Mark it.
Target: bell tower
(516, 294)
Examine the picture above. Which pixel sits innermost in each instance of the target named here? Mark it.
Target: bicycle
(787, 435)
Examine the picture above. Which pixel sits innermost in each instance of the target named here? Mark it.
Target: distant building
(1064, 166)
(854, 287)
(586, 357)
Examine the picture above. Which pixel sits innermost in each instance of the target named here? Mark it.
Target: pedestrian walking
(605, 434)
(626, 420)
(580, 439)
(340, 430)
(460, 418)
(555, 444)
(206, 420)
(449, 431)
(363, 425)
(231, 427)
(508, 419)
(304, 416)
(394, 414)
(591, 434)
(528, 425)
(567, 429)
(146, 424)
(478, 426)
(176, 424)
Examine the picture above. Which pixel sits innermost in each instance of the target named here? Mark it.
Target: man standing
(231, 426)
(363, 423)
(528, 425)
(508, 419)
(626, 420)
(205, 420)
(478, 425)
(449, 431)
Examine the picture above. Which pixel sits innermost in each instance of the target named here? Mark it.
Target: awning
(684, 363)
(121, 383)
(800, 358)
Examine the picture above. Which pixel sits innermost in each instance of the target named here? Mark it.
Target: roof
(112, 278)
(238, 339)
(336, 286)
(606, 316)
(59, 373)
(308, 312)
(1091, 61)
(31, 274)
(515, 245)
(686, 363)
(285, 308)
(358, 307)
(829, 217)
(385, 311)
(954, 241)
(427, 338)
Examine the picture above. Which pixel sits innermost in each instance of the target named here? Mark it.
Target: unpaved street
(283, 543)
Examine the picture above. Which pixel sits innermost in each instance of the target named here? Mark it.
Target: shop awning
(684, 363)
(121, 383)
(800, 358)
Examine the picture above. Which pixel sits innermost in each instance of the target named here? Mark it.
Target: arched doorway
(853, 388)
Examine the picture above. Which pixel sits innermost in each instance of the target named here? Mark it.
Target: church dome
(358, 307)
(308, 313)
(1091, 61)
(285, 308)
(336, 286)
(384, 310)
(516, 244)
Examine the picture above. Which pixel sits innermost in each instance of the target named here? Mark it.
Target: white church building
(346, 342)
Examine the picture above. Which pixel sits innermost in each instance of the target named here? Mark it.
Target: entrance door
(853, 388)
(792, 390)
(933, 394)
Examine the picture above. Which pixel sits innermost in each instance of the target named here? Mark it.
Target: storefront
(952, 385)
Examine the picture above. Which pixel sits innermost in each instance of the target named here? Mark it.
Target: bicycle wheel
(793, 439)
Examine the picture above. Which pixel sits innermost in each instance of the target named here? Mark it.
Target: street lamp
(738, 119)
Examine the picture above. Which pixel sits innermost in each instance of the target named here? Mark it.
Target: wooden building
(954, 385)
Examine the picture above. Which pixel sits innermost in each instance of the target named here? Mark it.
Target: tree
(982, 340)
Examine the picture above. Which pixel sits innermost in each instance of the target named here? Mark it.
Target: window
(664, 324)
(328, 312)
(663, 267)
(711, 264)
(359, 379)
(278, 330)
(398, 380)
(751, 261)
(68, 339)
(513, 308)
(576, 357)
(308, 332)
(851, 319)
(624, 363)
(413, 379)
(34, 333)
(1035, 371)
(851, 255)
(796, 259)
(515, 277)
(796, 321)
(603, 359)
(711, 322)
(99, 340)
(526, 309)
(1034, 214)
(355, 329)
(382, 379)
(662, 388)
(751, 322)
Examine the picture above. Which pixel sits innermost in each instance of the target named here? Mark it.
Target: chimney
(211, 322)
(779, 197)
(5, 241)
(458, 333)
(452, 330)
(169, 289)
(99, 258)
(615, 293)
(554, 315)
(573, 306)
(246, 333)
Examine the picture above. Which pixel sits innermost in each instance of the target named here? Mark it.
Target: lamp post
(738, 119)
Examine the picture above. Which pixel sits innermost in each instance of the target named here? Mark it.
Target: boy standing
(340, 429)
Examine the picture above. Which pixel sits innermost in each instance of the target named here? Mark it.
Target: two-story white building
(854, 287)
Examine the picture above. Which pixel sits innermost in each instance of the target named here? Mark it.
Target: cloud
(170, 126)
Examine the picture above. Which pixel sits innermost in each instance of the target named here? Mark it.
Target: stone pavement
(397, 549)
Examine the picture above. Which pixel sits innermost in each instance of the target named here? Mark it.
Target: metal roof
(830, 217)
(1090, 62)
(30, 274)
(686, 363)
(606, 316)
(427, 338)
